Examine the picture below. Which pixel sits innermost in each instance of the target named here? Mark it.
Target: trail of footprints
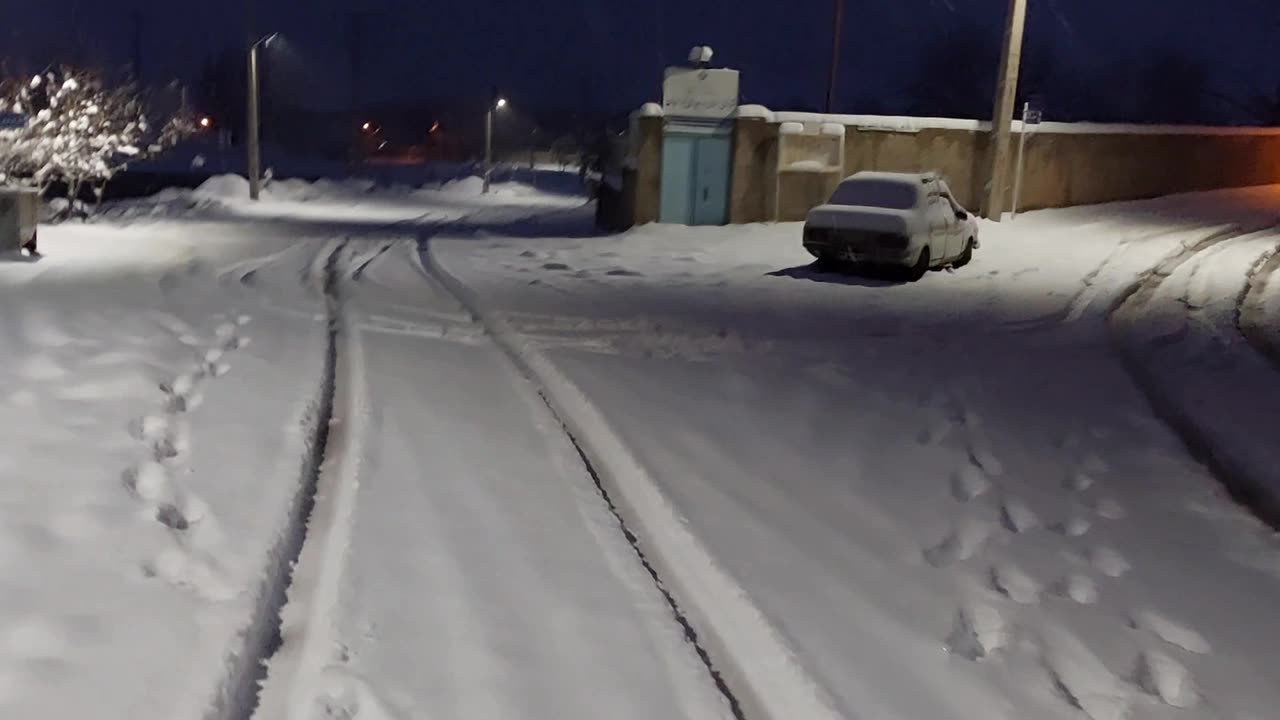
(980, 630)
(165, 438)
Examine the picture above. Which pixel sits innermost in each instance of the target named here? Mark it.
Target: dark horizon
(1178, 60)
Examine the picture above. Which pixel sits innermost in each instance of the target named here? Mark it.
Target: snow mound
(223, 187)
(650, 109)
(465, 186)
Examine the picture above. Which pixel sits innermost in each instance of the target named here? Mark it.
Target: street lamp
(255, 147)
(497, 104)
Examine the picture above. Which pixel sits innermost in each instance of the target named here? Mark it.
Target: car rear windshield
(876, 193)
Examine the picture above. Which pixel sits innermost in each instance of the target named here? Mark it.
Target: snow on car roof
(913, 178)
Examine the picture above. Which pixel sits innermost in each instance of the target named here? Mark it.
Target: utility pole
(1002, 119)
(837, 29)
(488, 146)
(254, 168)
(255, 149)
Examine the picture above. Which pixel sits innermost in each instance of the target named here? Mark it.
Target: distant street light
(205, 123)
(366, 127)
(255, 140)
(497, 104)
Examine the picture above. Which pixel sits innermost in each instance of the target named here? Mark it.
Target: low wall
(1066, 164)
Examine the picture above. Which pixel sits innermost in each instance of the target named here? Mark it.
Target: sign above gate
(700, 92)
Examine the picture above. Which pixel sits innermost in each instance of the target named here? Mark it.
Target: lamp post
(1002, 120)
(255, 147)
(494, 106)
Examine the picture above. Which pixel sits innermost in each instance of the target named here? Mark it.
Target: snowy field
(426, 453)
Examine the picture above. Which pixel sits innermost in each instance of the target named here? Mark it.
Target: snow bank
(223, 187)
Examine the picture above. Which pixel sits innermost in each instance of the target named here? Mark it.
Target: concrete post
(1002, 119)
(255, 148)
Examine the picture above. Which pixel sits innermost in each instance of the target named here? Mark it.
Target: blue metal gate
(695, 176)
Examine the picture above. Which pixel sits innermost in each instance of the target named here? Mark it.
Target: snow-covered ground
(528, 471)
(945, 499)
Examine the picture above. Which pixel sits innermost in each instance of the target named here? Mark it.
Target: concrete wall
(755, 148)
(645, 181)
(1065, 165)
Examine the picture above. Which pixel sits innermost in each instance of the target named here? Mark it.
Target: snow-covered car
(903, 220)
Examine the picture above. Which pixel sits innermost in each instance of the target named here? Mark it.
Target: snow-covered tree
(80, 131)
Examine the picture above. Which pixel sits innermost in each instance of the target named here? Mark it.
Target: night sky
(609, 54)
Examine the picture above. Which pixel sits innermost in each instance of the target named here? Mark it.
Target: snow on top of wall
(902, 123)
(759, 112)
(811, 166)
(791, 128)
(650, 109)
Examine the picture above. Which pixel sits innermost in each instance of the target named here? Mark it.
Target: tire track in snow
(1251, 315)
(1229, 473)
(307, 643)
(747, 658)
(242, 688)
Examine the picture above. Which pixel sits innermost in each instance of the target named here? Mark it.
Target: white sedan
(910, 221)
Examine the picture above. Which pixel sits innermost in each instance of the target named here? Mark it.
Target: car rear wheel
(917, 271)
(966, 257)
(826, 264)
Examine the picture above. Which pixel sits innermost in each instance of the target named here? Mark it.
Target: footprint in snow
(1079, 588)
(1093, 463)
(1109, 509)
(1109, 562)
(555, 266)
(961, 544)
(1163, 677)
(985, 459)
(148, 480)
(1072, 527)
(1013, 583)
(1017, 517)
(977, 632)
(969, 483)
(1170, 631)
(1079, 482)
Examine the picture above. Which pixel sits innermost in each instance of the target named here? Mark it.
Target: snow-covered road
(436, 455)
(484, 575)
(947, 499)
